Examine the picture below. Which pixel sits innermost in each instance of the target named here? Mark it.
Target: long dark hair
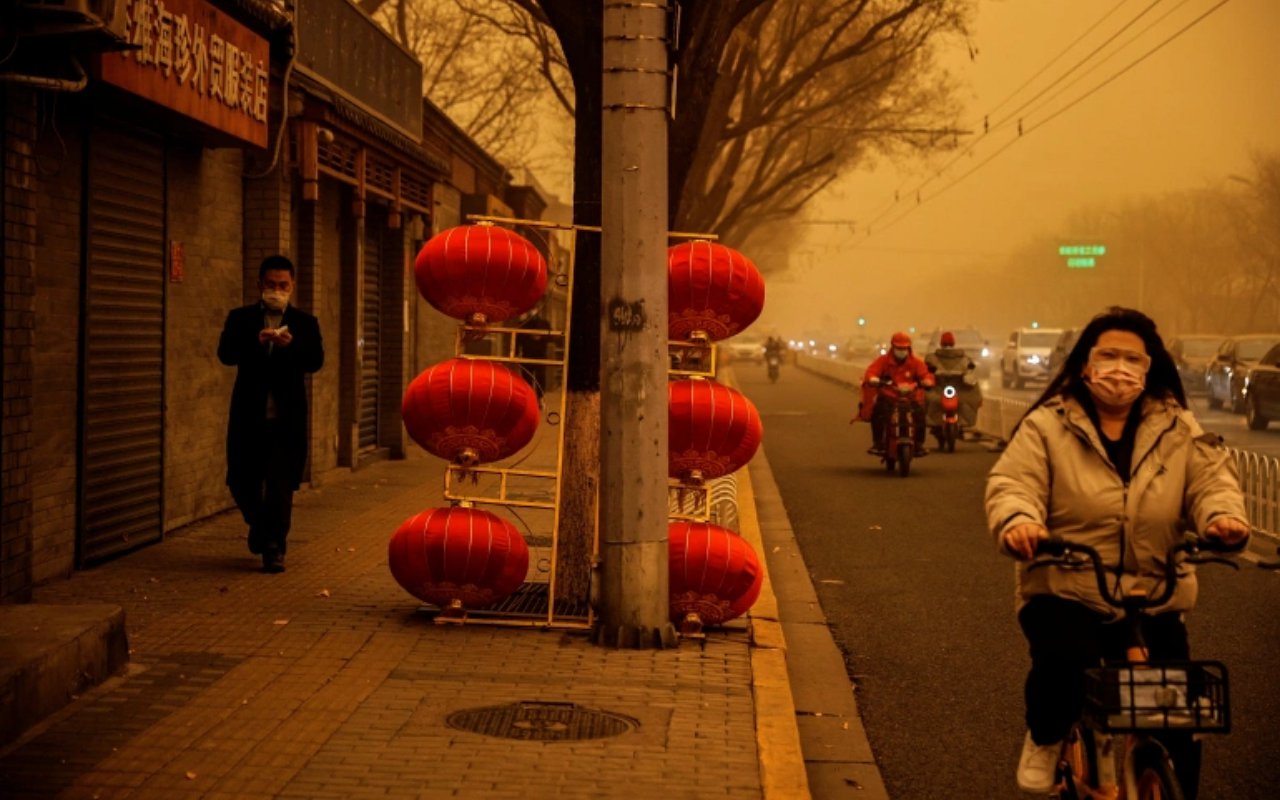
(1163, 381)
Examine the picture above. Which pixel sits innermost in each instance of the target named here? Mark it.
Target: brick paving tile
(327, 681)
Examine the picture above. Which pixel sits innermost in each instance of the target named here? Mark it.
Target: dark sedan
(1227, 378)
(1193, 354)
(1262, 402)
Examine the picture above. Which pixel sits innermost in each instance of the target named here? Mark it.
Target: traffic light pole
(633, 361)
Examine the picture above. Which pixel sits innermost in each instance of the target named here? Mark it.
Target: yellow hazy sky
(1187, 116)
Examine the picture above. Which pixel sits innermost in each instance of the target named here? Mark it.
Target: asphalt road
(922, 606)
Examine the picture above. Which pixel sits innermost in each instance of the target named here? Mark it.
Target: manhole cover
(543, 722)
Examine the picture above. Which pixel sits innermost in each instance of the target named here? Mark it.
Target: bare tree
(484, 63)
(807, 90)
(1257, 231)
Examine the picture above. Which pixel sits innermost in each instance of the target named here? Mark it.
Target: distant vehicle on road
(1026, 356)
(1192, 354)
(971, 341)
(1262, 404)
(1227, 378)
(860, 347)
(1061, 349)
(743, 348)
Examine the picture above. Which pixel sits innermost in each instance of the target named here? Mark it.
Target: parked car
(1262, 403)
(743, 348)
(1192, 354)
(1061, 349)
(974, 345)
(1227, 378)
(1026, 356)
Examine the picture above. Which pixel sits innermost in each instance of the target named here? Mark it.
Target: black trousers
(880, 417)
(266, 503)
(1065, 639)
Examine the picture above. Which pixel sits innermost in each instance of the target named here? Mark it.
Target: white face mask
(275, 299)
(900, 353)
(1115, 384)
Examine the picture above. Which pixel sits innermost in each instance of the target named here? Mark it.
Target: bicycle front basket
(1169, 695)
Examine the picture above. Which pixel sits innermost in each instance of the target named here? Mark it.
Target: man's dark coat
(262, 367)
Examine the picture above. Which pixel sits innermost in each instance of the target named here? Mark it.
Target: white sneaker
(1037, 765)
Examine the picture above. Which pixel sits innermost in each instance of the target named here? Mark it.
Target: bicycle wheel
(1153, 774)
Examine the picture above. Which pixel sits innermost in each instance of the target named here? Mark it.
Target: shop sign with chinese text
(197, 61)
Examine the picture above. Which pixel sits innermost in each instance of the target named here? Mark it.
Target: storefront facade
(137, 209)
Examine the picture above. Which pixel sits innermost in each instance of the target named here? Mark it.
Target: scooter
(949, 432)
(899, 430)
(775, 363)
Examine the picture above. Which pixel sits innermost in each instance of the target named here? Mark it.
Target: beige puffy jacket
(1055, 472)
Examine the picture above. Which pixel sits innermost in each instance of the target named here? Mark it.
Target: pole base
(632, 637)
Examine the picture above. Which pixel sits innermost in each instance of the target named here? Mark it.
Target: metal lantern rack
(534, 604)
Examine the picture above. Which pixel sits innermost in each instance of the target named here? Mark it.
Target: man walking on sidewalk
(273, 345)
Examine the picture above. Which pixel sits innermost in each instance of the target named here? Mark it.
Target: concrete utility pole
(633, 353)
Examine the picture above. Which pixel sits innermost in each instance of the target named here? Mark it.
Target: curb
(840, 756)
(782, 769)
(51, 653)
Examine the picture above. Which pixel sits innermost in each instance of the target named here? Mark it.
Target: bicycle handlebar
(1059, 552)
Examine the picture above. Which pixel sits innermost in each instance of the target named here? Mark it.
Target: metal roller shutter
(370, 356)
(122, 416)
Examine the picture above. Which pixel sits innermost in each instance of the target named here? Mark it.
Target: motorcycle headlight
(986, 352)
(949, 392)
(1033, 360)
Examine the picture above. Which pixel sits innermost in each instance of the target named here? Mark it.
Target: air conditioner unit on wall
(55, 17)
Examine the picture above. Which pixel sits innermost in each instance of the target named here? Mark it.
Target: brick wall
(268, 224)
(56, 360)
(205, 215)
(18, 250)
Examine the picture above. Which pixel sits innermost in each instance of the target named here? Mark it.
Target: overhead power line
(899, 192)
(1014, 113)
(1054, 60)
(1123, 46)
(1023, 133)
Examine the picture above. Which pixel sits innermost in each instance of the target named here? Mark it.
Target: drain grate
(541, 722)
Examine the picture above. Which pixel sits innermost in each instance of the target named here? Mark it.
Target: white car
(1026, 356)
(741, 348)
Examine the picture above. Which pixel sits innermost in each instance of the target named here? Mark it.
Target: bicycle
(1127, 701)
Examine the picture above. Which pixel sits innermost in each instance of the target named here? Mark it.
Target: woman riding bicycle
(1108, 456)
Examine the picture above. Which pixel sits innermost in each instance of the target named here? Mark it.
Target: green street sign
(1082, 256)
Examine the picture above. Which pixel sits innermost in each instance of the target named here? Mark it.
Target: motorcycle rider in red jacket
(900, 366)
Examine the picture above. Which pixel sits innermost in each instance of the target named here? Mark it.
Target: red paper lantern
(458, 558)
(715, 575)
(469, 411)
(713, 430)
(711, 290)
(480, 273)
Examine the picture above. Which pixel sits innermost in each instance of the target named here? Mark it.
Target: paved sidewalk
(326, 681)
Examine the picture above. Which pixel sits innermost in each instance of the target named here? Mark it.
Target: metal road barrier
(724, 501)
(715, 502)
(999, 415)
(1260, 481)
(846, 372)
(1259, 474)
